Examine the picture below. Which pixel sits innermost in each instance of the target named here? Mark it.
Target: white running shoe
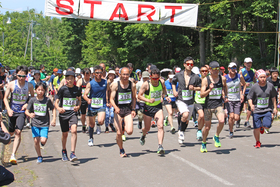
(98, 130)
(28, 125)
(90, 142)
(181, 137)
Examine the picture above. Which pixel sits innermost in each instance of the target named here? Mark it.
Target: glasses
(217, 68)
(99, 72)
(189, 64)
(22, 76)
(155, 78)
(204, 71)
(233, 68)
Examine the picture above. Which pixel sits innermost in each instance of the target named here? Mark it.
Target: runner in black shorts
(82, 83)
(68, 103)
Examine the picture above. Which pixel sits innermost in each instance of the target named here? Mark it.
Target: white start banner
(176, 14)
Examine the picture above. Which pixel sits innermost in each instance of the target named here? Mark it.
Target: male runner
(97, 91)
(154, 91)
(262, 100)
(68, 103)
(248, 73)
(123, 99)
(235, 95)
(82, 83)
(188, 83)
(19, 90)
(214, 88)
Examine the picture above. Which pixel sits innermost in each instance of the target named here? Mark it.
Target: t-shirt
(262, 97)
(41, 110)
(276, 84)
(43, 76)
(51, 80)
(68, 100)
(169, 90)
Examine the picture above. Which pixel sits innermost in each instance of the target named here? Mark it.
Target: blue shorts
(40, 132)
(262, 120)
(94, 111)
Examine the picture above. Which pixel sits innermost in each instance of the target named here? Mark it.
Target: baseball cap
(59, 71)
(138, 70)
(232, 64)
(145, 74)
(71, 68)
(111, 72)
(55, 70)
(78, 71)
(259, 73)
(214, 64)
(177, 70)
(222, 68)
(37, 71)
(248, 59)
(70, 73)
(195, 70)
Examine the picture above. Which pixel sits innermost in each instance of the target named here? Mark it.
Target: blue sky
(21, 5)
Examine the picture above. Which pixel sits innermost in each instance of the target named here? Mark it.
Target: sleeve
(251, 93)
(80, 91)
(175, 79)
(273, 92)
(30, 105)
(50, 104)
(59, 93)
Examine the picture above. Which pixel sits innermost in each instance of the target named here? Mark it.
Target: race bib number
(262, 102)
(124, 98)
(40, 109)
(251, 84)
(156, 95)
(97, 102)
(19, 98)
(234, 91)
(187, 94)
(170, 93)
(69, 103)
(216, 93)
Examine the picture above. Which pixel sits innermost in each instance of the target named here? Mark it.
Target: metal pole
(27, 41)
(3, 37)
(31, 58)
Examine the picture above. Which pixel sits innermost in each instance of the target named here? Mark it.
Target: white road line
(202, 170)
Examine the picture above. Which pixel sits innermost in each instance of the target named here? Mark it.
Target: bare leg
(17, 140)
(73, 137)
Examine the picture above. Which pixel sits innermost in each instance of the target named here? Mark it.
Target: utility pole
(31, 58)
(27, 42)
(278, 47)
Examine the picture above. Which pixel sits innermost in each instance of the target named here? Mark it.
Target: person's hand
(10, 112)
(117, 110)
(275, 112)
(152, 100)
(253, 108)
(89, 101)
(133, 113)
(24, 107)
(108, 105)
(32, 115)
(53, 123)
(211, 86)
(61, 110)
(191, 87)
(241, 98)
(175, 94)
(168, 99)
(247, 84)
(76, 108)
(226, 100)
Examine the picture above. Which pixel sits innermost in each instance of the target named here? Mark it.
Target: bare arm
(133, 95)
(114, 88)
(7, 93)
(61, 84)
(85, 96)
(203, 91)
(144, 87)
(242, 80)
(79, 83)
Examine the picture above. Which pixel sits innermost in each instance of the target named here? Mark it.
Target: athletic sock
(179, 121)
(184, 125)
(90, 132)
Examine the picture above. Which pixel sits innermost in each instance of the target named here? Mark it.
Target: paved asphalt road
(236, 163)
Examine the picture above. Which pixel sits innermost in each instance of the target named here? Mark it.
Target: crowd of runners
(118, 95)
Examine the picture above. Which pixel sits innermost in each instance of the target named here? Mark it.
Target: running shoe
(64, 156)
(123, 138)
(13, 160)
(217, 141)
(142, 140)
(165, 121)
(199, 135)
(237, 125)
(73, 157)
(231, 135)
(140, 125)
(261, 130)
(90, 142)
(195, 124)
(112, 127)
(107, 130)
(247, 124)
(203, 148)
(181, 137)
(172, 130)
(153, 124)
(98, 129)
(258, 144)
(28, 125)
(160, 150)
(266, 131)
(122, 153)
(39, 160)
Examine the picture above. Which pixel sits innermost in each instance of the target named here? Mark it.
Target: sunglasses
(98, 72)
(189, 64)
(22, 76)
(155, 78)
(217, 68)
(204, 71)
(233, 68)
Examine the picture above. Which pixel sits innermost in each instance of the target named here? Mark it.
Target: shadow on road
(106, 145)
(188, 144)
(269, 145)
(223, 151)
(82, 161)
(241, 136)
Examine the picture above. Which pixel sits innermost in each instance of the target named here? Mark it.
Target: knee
(129, 132)
(236, 118)
(201, 116)
(185, 115)
(43, 141)
(36, 142)
(100, 122)
(65, 134)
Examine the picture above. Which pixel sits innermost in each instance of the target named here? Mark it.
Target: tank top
(214, 98)
(248, 77)
(234, 87)
(154, 92)
(198, 99)
(19, 97)
(123, 96)
(169, 90)
(83, 87)
(97, 94)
